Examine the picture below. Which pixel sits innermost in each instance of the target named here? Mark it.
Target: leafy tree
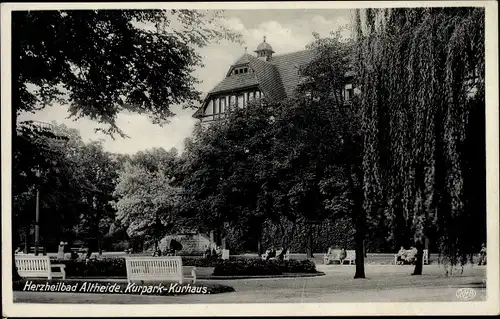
(37, 166)
(218, 177)
(75, 180)
(103, 62)
(146, 202)
(421, 73)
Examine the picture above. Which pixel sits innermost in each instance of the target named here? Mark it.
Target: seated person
(271, 254)
(412, 255)
(342, 255)
(166, 251)
(208, 253)
(282, 254)
(74, 255)
(401, 256)
(482, 255)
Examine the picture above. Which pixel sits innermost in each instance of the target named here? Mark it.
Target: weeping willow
(421, 78)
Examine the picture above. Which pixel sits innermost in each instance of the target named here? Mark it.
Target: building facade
(251, 77)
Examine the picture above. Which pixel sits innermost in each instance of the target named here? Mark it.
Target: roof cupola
(264, 50)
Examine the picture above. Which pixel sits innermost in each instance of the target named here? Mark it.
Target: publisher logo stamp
(466, 294)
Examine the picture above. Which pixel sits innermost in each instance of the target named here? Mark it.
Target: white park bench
(38, 266)
(278, 252)
(351, 256)
(225, 254)
(335, 256)
(156, 268)
(425, 257)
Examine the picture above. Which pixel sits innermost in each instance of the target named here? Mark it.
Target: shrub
(120, 246)
(296, 266)
(105, 267)
(237, 266)
(259, 267)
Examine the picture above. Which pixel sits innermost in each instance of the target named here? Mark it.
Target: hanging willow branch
(421, 72)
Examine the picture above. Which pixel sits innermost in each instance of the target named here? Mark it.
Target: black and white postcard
(250, 158)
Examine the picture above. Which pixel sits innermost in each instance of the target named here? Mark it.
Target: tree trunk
(26, 240)
(310, 242)
(360, 253)
(419, 260)
(15, 274)
(259, 241)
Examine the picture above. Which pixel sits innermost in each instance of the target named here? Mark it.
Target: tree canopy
(103, 62)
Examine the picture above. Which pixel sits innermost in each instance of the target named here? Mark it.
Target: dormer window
(240, 70)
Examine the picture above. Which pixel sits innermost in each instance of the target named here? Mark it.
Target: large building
(274, 77)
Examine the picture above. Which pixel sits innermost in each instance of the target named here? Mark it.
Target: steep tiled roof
(288, 67)
(235, 82)
(245, 58)
(277, 78)
(269, 78)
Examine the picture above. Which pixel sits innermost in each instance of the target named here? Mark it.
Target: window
(222, 105)
(210, 108)
(348, 94)
(241, 101)
(240, 70)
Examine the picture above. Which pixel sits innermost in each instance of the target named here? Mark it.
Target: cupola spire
(264, 50)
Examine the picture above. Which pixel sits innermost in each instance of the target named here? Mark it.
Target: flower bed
(257, 267)
(115, 267)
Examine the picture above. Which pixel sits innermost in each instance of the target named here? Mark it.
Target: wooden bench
(278, 252)
(335, 255)
(425, 257)
(38, 266)
(41, 250)
(350, 257)
(156, 268)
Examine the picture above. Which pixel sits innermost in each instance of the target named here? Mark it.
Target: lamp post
(41, 126)
(37, 215)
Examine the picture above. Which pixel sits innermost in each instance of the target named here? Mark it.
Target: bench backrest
(350, 254)
(34, 265)
(334, 253)
(426, 253)
(225, 254)
(154, 268)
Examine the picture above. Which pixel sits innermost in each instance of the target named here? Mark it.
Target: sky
(287, 30)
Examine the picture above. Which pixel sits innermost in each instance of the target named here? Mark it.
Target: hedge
(258, 267)
(115, 267)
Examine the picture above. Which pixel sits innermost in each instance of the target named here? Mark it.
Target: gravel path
(383, 284)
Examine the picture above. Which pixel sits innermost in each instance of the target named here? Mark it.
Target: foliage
(259, 267)
(115, 267)
(288, 162)
(103, 62)
(98, 267)
(75, 181)
(421, 73)
(146, 200)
